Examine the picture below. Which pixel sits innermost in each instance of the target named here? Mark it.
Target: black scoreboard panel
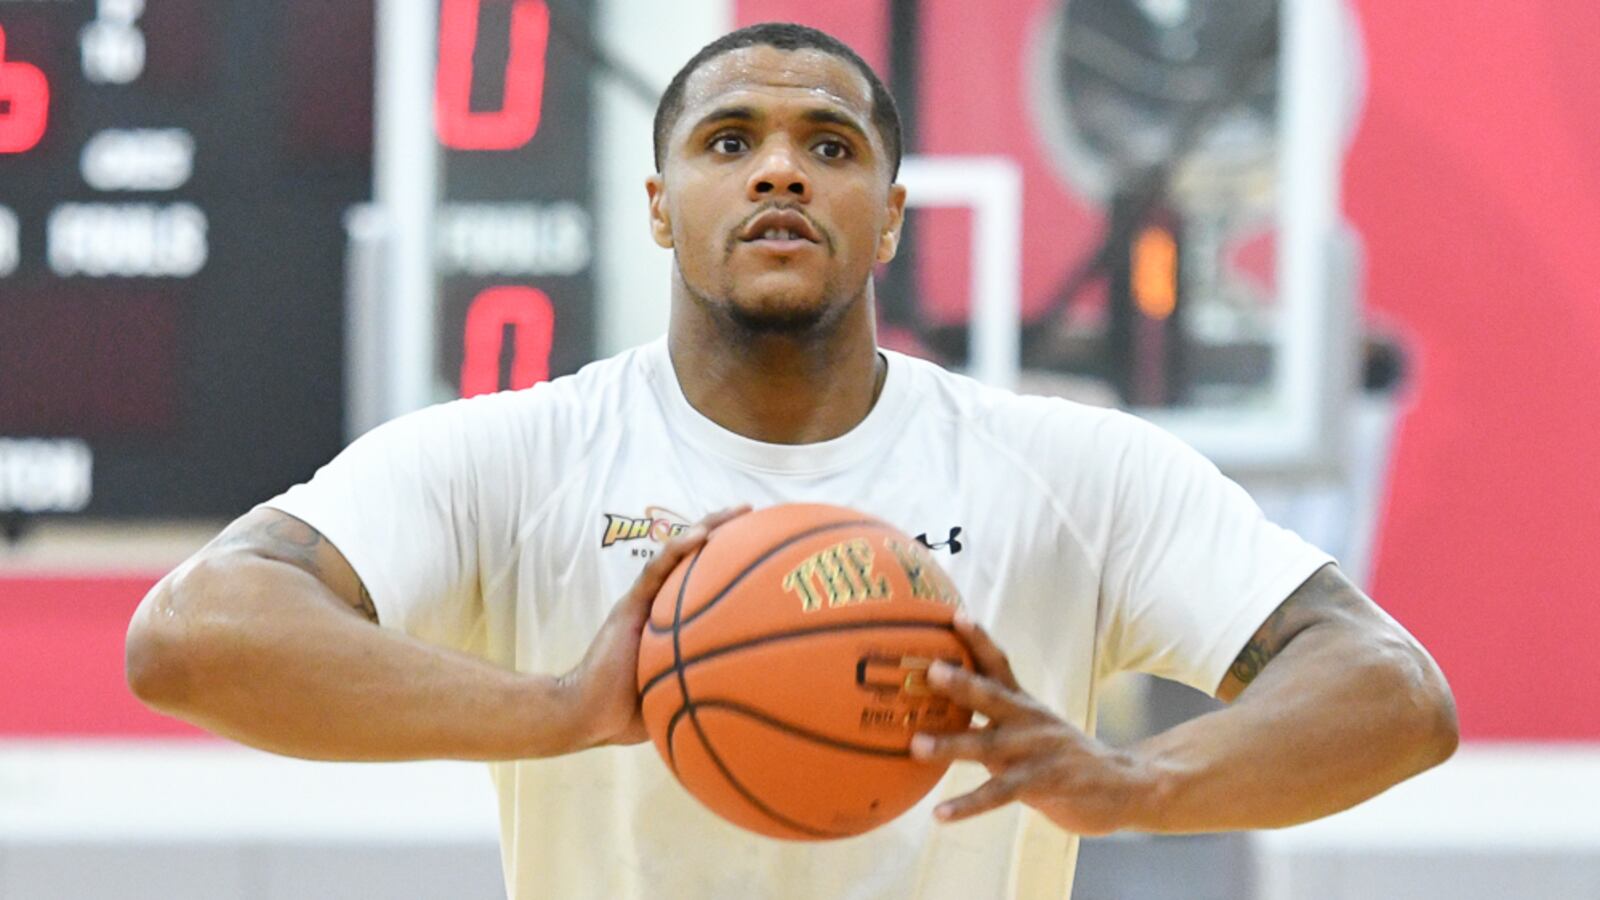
(172, 247)
(515, 233)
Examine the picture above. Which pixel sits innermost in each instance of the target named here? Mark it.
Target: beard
(773, 317)
(776, 321)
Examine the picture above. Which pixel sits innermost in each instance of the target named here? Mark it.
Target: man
(487, 538)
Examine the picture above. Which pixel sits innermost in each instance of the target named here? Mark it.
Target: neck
(778, 389)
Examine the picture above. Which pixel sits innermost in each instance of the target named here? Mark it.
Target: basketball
(783, 671)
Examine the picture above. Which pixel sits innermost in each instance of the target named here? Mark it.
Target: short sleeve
(399, 503)
(1192, 567)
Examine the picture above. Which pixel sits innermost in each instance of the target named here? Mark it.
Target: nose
(778, 175)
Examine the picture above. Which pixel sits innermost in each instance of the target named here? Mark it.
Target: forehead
(764, 73)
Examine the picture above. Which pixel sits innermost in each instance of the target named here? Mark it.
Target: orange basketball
(783, 671)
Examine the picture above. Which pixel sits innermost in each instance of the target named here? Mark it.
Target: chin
(771, 304)
(776, 312)
(778, 320)
(781, 306)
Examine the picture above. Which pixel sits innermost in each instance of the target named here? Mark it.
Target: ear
(660, 222)
(889, 240)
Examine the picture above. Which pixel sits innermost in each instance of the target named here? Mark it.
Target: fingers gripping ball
(783, 671)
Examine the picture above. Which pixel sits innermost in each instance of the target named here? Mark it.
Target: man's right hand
(602, 692)
(267, 636)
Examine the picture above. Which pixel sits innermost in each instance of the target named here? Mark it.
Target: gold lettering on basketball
(841, 573)
(799, 581)
(928, 581)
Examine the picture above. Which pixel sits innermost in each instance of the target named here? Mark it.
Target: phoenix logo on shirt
(659, 525)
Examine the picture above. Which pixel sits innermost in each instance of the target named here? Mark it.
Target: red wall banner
(1475, 183)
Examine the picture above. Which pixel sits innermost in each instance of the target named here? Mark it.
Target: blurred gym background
(1344, 247)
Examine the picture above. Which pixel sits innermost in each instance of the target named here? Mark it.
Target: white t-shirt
(1086, 540)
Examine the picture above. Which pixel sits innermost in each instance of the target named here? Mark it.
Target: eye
(729, 144)
(831, 148)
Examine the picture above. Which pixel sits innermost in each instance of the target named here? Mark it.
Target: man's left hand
(1033, 757)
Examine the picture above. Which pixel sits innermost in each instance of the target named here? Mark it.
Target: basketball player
(447, 586)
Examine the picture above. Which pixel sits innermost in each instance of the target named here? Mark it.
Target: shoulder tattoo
(283, 538)
(1263, 646)
(1325, 595)
(366, 607)
(294, 542)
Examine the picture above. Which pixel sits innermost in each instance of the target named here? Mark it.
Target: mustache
(733, 234)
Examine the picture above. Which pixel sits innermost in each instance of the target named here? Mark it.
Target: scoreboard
(173, 176)
(515, 233)
(175, 179)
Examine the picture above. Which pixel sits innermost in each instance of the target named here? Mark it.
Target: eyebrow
(725, 114)
(832, 117)
(818, 116)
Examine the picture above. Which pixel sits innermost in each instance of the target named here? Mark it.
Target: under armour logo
(950, 543)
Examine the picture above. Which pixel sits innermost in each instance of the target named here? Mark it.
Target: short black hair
(784, 36)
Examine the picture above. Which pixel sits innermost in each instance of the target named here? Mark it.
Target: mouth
(782, 230)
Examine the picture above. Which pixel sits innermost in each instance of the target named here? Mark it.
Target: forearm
(1337, 718)
(261, 652)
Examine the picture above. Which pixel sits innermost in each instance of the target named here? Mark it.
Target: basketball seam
(796, 731)
(677, 646)
(688, 707)
(678, 621)
(794, 634)
(744, 792)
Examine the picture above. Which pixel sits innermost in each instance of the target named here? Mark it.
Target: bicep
(1326, 602)
(279, 537)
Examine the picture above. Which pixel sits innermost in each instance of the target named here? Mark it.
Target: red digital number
(24, 103)
(517, 120)
(533, 321)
